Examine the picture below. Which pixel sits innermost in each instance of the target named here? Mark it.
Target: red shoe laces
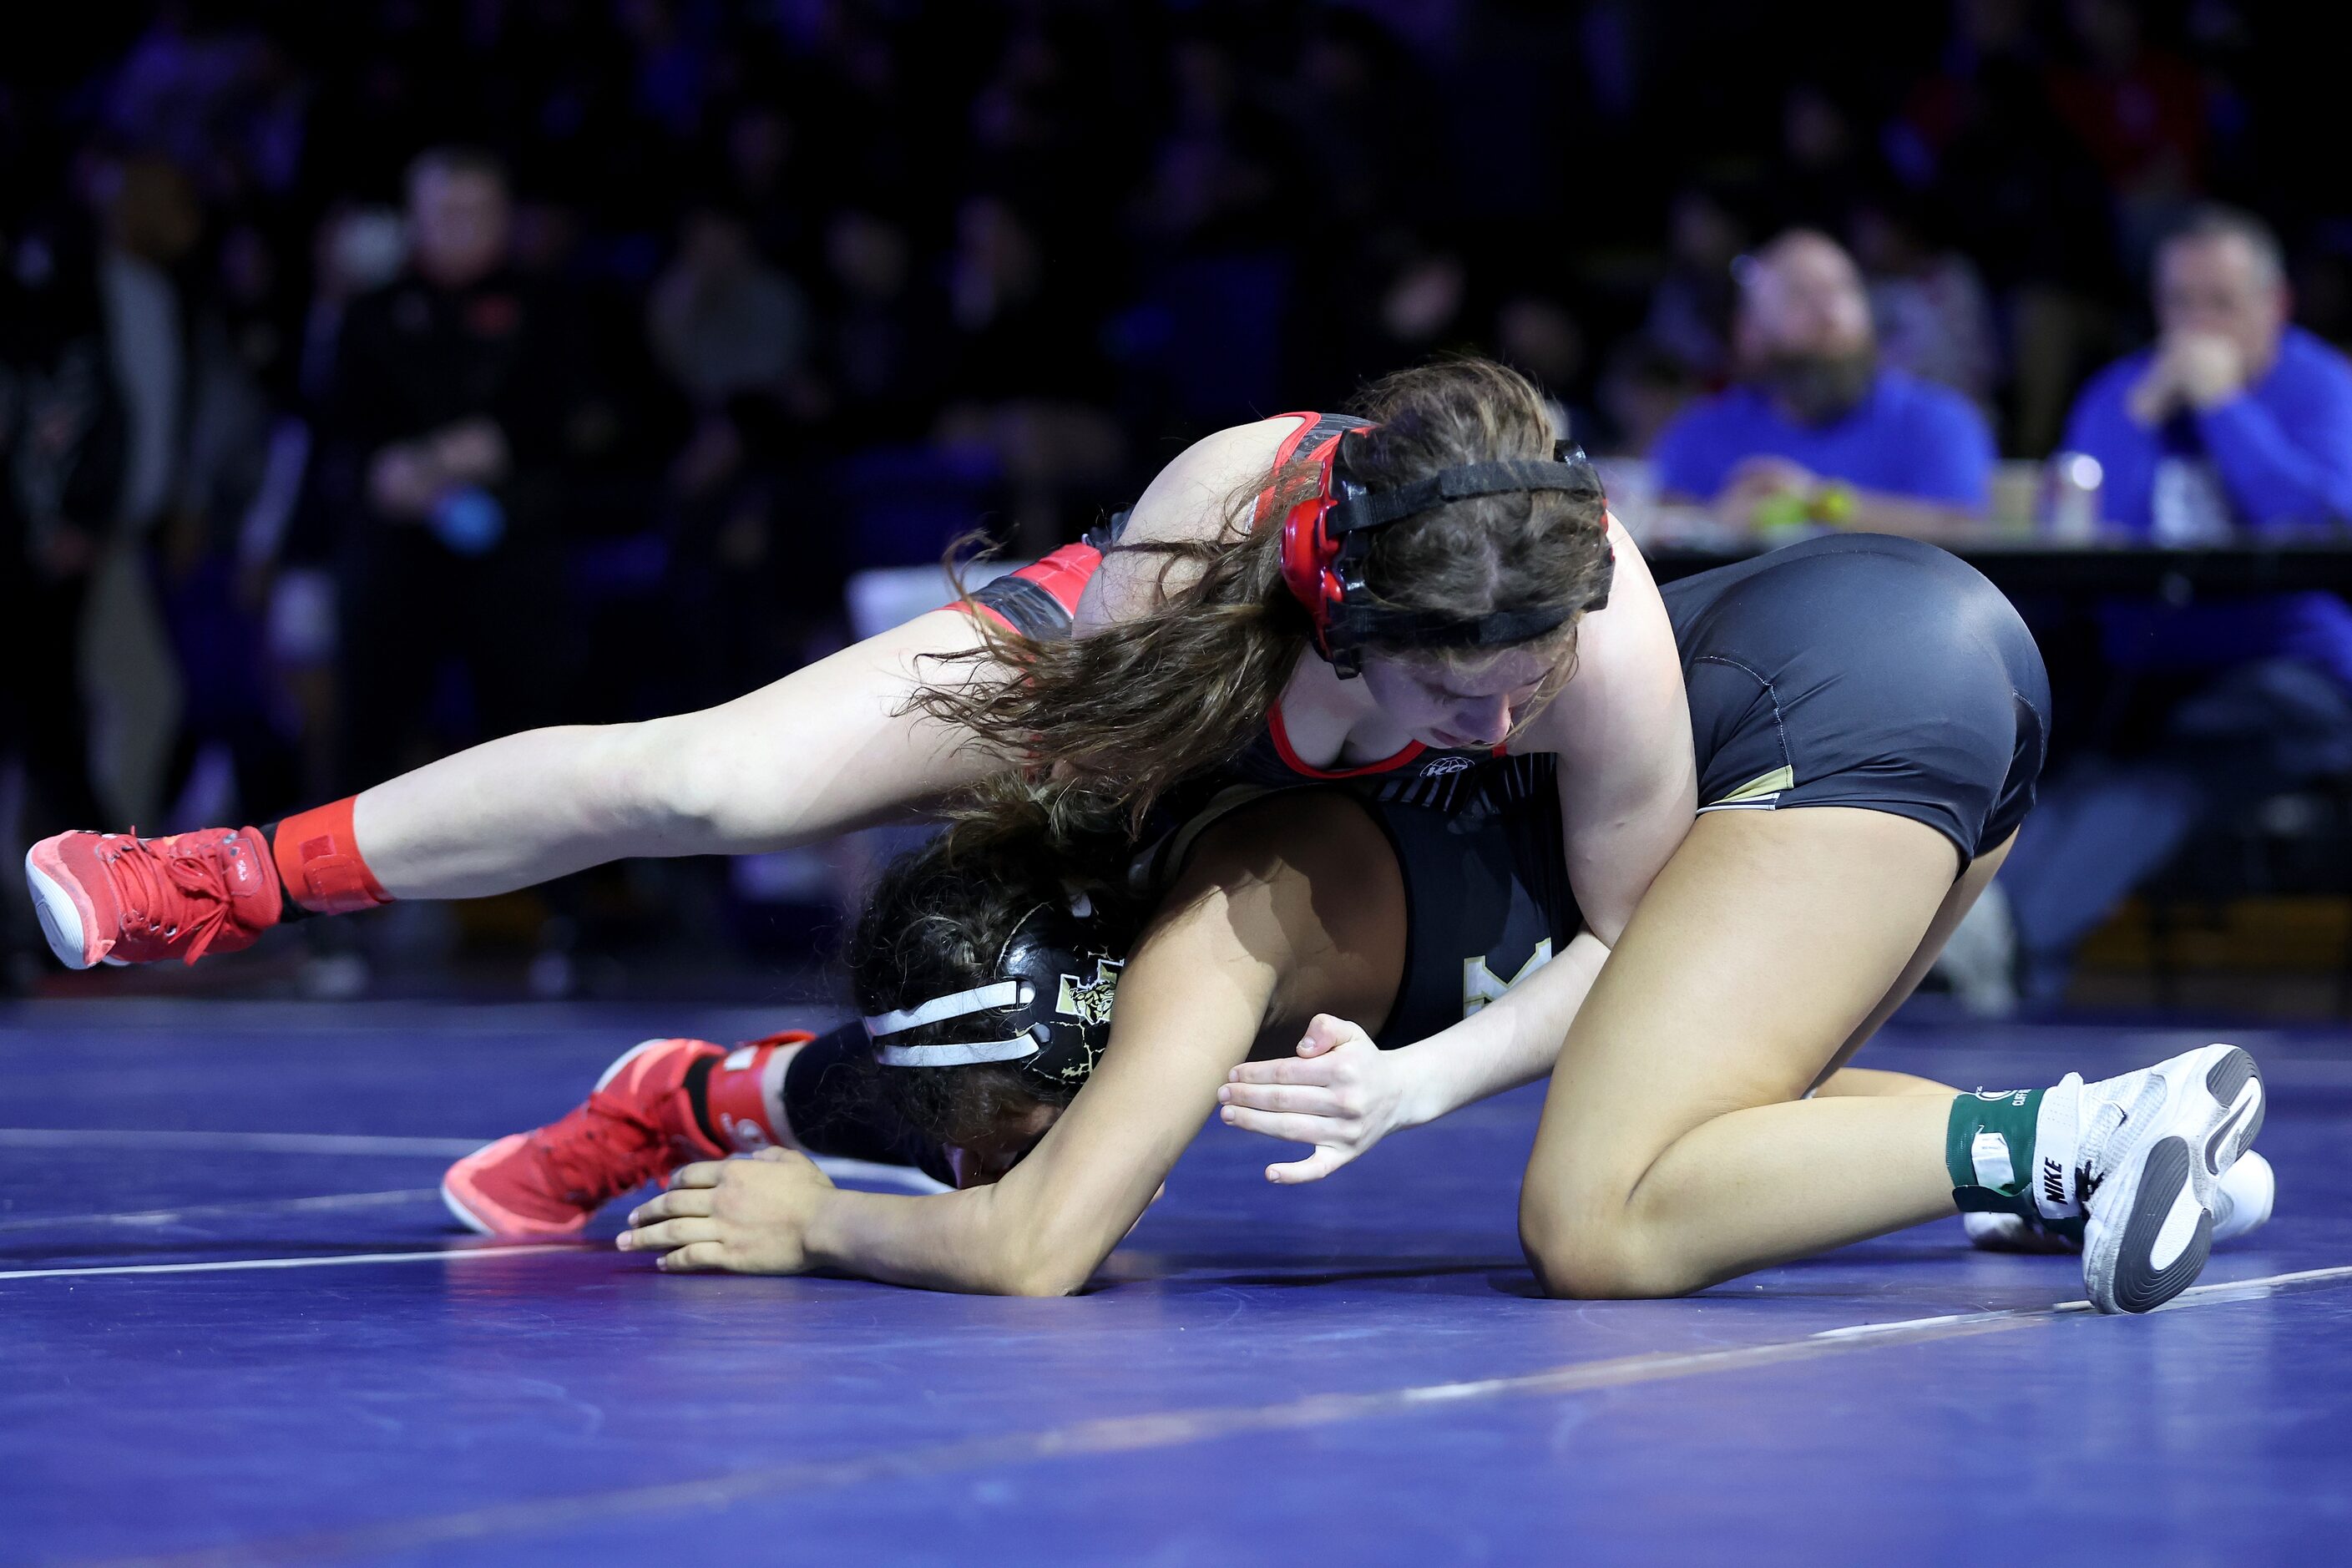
(171, 892)
(603, 1149)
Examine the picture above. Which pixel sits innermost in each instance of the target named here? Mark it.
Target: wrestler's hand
(1339, 1092)
(745, 1217)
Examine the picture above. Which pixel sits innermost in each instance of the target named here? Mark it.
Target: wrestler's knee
(1589, 1241)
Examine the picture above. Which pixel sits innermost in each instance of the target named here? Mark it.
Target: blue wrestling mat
(238, 1328)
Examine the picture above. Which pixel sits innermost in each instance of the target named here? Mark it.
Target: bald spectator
(1817, 428)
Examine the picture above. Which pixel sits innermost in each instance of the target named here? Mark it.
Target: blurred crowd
(382, 375)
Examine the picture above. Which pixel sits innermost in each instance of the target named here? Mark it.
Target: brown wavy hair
(1130, 709)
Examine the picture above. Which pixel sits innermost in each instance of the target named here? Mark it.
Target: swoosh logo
(2213, 1145)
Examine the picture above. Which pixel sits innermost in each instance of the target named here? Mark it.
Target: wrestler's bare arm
(1620, 728)
(1294, 908)
(1627, 795)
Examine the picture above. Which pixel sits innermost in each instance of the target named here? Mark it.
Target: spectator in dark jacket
(446, 427)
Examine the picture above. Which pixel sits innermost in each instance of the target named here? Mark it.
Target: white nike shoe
(2150, 1148)
(2241, 1202)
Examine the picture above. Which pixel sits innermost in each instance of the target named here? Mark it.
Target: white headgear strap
(939, 1010)
(961, 1053)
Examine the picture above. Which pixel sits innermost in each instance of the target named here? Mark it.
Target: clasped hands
(2193, 371)
(407, 478)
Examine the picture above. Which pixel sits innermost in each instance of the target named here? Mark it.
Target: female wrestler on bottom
(1858, 704)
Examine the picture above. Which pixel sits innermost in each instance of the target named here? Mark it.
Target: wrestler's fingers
(1306, 1099)
(1326, 1033)
(701, 1173)
(1282, 1124)
(701, 1256)
(1314, 1168)
(1283, 1070)
(670, 1233)
(675, 1204)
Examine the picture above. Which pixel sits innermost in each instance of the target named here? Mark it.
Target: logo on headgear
(1089, 1000)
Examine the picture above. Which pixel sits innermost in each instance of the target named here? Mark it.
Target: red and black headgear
(1327, 540)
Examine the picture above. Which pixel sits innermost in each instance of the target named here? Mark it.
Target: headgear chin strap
(1046, 1005)
(1327, 540)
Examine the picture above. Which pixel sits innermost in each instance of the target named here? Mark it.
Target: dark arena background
(381, 377)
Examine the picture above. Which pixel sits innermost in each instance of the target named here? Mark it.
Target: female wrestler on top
(987, 963)
(1426, 550)
(1194, 654)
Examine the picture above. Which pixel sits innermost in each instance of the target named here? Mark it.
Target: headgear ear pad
(1310, 554)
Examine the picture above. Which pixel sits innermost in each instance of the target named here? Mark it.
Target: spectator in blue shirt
(2234, 419)
(1817, 428)
(2234, 423)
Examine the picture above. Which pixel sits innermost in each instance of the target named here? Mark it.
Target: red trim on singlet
(1282, 457)
(1281, 735)
(1063, 573)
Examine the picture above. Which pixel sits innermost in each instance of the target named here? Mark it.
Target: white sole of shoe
(625, 1058)
(2151, 1222)
(61, 917)
(464, 1216)
(2243, 1196)
(473, 1222)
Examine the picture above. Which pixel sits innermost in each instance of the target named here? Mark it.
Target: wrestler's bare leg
(826, 749)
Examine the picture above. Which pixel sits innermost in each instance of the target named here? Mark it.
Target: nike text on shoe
(635, 1128)
(2151, 1152)
(116, 898)
(2241, 1202)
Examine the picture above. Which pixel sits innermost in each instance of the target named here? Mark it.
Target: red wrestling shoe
(638, 1126)
(116, 898)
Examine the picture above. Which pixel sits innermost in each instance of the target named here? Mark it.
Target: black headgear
(1045, 1004)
